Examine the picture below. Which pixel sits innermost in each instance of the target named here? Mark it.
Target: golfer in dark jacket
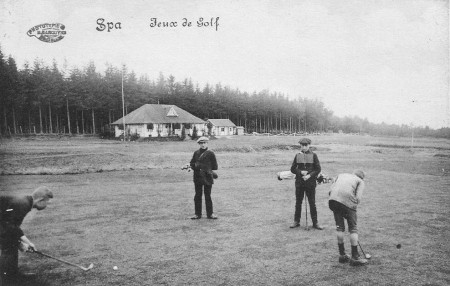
(13, 210)
(306, 167)
(203, 163)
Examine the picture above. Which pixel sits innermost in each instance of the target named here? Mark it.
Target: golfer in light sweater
(344, 197)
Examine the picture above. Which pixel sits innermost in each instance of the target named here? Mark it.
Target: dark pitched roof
(159, 113)
(222, 122)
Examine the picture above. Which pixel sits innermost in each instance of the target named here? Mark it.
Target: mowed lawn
(128, 205)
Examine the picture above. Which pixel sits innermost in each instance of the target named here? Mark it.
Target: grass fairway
(128, 205)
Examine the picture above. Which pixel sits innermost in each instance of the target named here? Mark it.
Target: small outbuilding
(221, 127)
(239, 130)
(159, 120)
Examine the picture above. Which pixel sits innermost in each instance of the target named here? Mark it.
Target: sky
(387, 61)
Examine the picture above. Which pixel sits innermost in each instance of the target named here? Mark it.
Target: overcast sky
(387, 61)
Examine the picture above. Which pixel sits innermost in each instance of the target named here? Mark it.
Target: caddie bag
(207, 175)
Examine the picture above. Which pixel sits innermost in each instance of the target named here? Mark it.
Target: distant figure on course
(306, 167)
(13, 210)
(203, 163)
(344, 197)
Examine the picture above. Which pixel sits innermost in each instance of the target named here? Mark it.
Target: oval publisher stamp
(48, 32)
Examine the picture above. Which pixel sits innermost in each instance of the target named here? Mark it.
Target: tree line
(40, 98)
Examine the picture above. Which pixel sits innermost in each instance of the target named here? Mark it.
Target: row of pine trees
(40, 98)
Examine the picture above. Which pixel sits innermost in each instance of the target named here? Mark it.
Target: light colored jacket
(347, 189)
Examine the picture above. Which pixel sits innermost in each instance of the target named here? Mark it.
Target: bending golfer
(306, 167)
(345, 196)
(203, 163)
(13, 210)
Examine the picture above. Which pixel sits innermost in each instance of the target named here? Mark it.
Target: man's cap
(304, 141)
(359, 173)
(202, 139)
(42, 193)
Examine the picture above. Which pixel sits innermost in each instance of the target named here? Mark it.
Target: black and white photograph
(226, 142)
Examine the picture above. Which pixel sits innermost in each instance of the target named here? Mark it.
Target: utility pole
(305, 116)
(123, 113)
(412, 129)
(68, 116)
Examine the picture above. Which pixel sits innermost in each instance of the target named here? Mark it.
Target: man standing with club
(306, 167)
(344, 197)
(13, 210)
(203, 163)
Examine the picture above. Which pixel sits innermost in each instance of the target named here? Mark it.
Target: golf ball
(115, 268)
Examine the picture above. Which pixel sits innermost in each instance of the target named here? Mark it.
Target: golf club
(367, 256)
(67, 262)
(306, 211)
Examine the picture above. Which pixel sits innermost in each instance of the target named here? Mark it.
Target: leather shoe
(317, 226)
(212, 217)
(196, 217)
(344, 258)
(294, 225)
(358, 261)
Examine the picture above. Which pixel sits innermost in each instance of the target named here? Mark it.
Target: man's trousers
(300, 190)
(199, 190)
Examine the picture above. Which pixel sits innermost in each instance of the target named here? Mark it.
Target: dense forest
(39, 98)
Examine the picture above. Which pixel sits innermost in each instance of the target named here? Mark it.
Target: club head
(89, 267)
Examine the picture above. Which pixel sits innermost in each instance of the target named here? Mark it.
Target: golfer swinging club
(344, 197)
(306, 167)
(203, 163)
(13, 210)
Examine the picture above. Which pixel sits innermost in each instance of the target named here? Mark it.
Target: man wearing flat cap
(306, 167)
(13, 210)
(203, 163)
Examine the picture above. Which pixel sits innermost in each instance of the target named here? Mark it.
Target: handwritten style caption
(213, 22)
(201, 22)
